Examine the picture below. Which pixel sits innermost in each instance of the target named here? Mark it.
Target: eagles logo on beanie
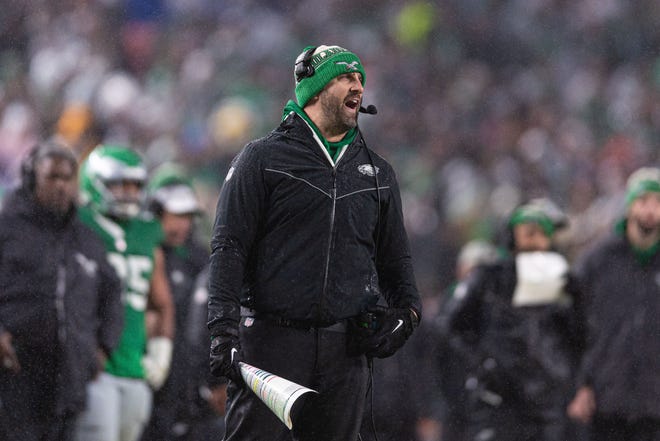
(327, 62)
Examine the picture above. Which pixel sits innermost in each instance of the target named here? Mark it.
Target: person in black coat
(308, 238)
(619, 380)
(450, 363)
(190, 404)
(60, 308)
(517, 322)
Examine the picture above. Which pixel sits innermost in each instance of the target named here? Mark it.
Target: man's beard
(337, 120)
(57, 207)
(58, 213)
(646, 229)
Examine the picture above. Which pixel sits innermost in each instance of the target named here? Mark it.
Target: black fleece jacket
(622, 360)
(59, 296)
(302, 238)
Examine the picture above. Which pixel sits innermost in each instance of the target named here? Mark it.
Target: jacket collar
(21, 202)
(297, 125)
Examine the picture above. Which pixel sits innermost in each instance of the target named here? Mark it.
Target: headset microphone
(370, 109)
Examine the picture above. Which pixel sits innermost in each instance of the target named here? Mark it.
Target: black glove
(395, 325)
(225, 355)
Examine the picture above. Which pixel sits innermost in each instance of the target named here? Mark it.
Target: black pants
(28, 400)
(314, 358)
(607, 428)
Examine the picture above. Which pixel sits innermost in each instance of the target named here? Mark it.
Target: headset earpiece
(38, 152)
(27, 169)
(304, 68)
(156, 208)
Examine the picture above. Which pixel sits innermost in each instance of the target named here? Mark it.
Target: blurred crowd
(481, 104)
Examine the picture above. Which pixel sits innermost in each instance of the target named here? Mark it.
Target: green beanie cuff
(328, 63)
(528, 215)
(640, 188)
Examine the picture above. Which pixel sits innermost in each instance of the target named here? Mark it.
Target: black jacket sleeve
(110, 308)
(238, 215)
(583, 271)
(395, 269)
(463, 314)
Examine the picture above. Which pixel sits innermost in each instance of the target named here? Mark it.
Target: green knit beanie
(532, 215)
(644, 180)
(540, 211)
(327, 63)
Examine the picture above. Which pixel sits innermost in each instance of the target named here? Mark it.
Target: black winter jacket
(622, 360)
(535, 348)
(185, 266)
(299, 238)
(59, 296)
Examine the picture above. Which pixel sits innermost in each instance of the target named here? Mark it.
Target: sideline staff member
(60, 307)
(308, 233)
(620, 277)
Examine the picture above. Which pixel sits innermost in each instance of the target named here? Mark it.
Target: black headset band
(41, 151)
(304, 68)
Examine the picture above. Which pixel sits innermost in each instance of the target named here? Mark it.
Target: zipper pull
(334, 183)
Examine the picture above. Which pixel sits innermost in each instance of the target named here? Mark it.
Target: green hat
(642, 181)
(171, 190)
(168, 174)
(315, 67)
(540, 211)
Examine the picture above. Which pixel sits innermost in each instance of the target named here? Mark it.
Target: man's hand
(397, 325)
(225, 355)
(156, 361)
(101, 359)
(583, 406)
(8, 358)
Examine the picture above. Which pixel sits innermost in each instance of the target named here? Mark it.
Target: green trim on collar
(643, 256)
(333, 148)
(182, 251)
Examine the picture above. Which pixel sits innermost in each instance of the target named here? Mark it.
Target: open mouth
(352, 103)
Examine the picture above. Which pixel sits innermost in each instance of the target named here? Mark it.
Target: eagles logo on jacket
(299, 236)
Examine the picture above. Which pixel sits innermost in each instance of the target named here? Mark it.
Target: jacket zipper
(60, 290)
(333, 192)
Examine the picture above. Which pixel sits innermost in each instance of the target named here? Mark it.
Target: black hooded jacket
(59, 297)
(622, 359)
(298, 237)
(533, 351)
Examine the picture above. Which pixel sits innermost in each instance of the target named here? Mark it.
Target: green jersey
(130, 245)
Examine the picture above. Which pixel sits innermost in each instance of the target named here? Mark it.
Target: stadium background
(482, 104)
